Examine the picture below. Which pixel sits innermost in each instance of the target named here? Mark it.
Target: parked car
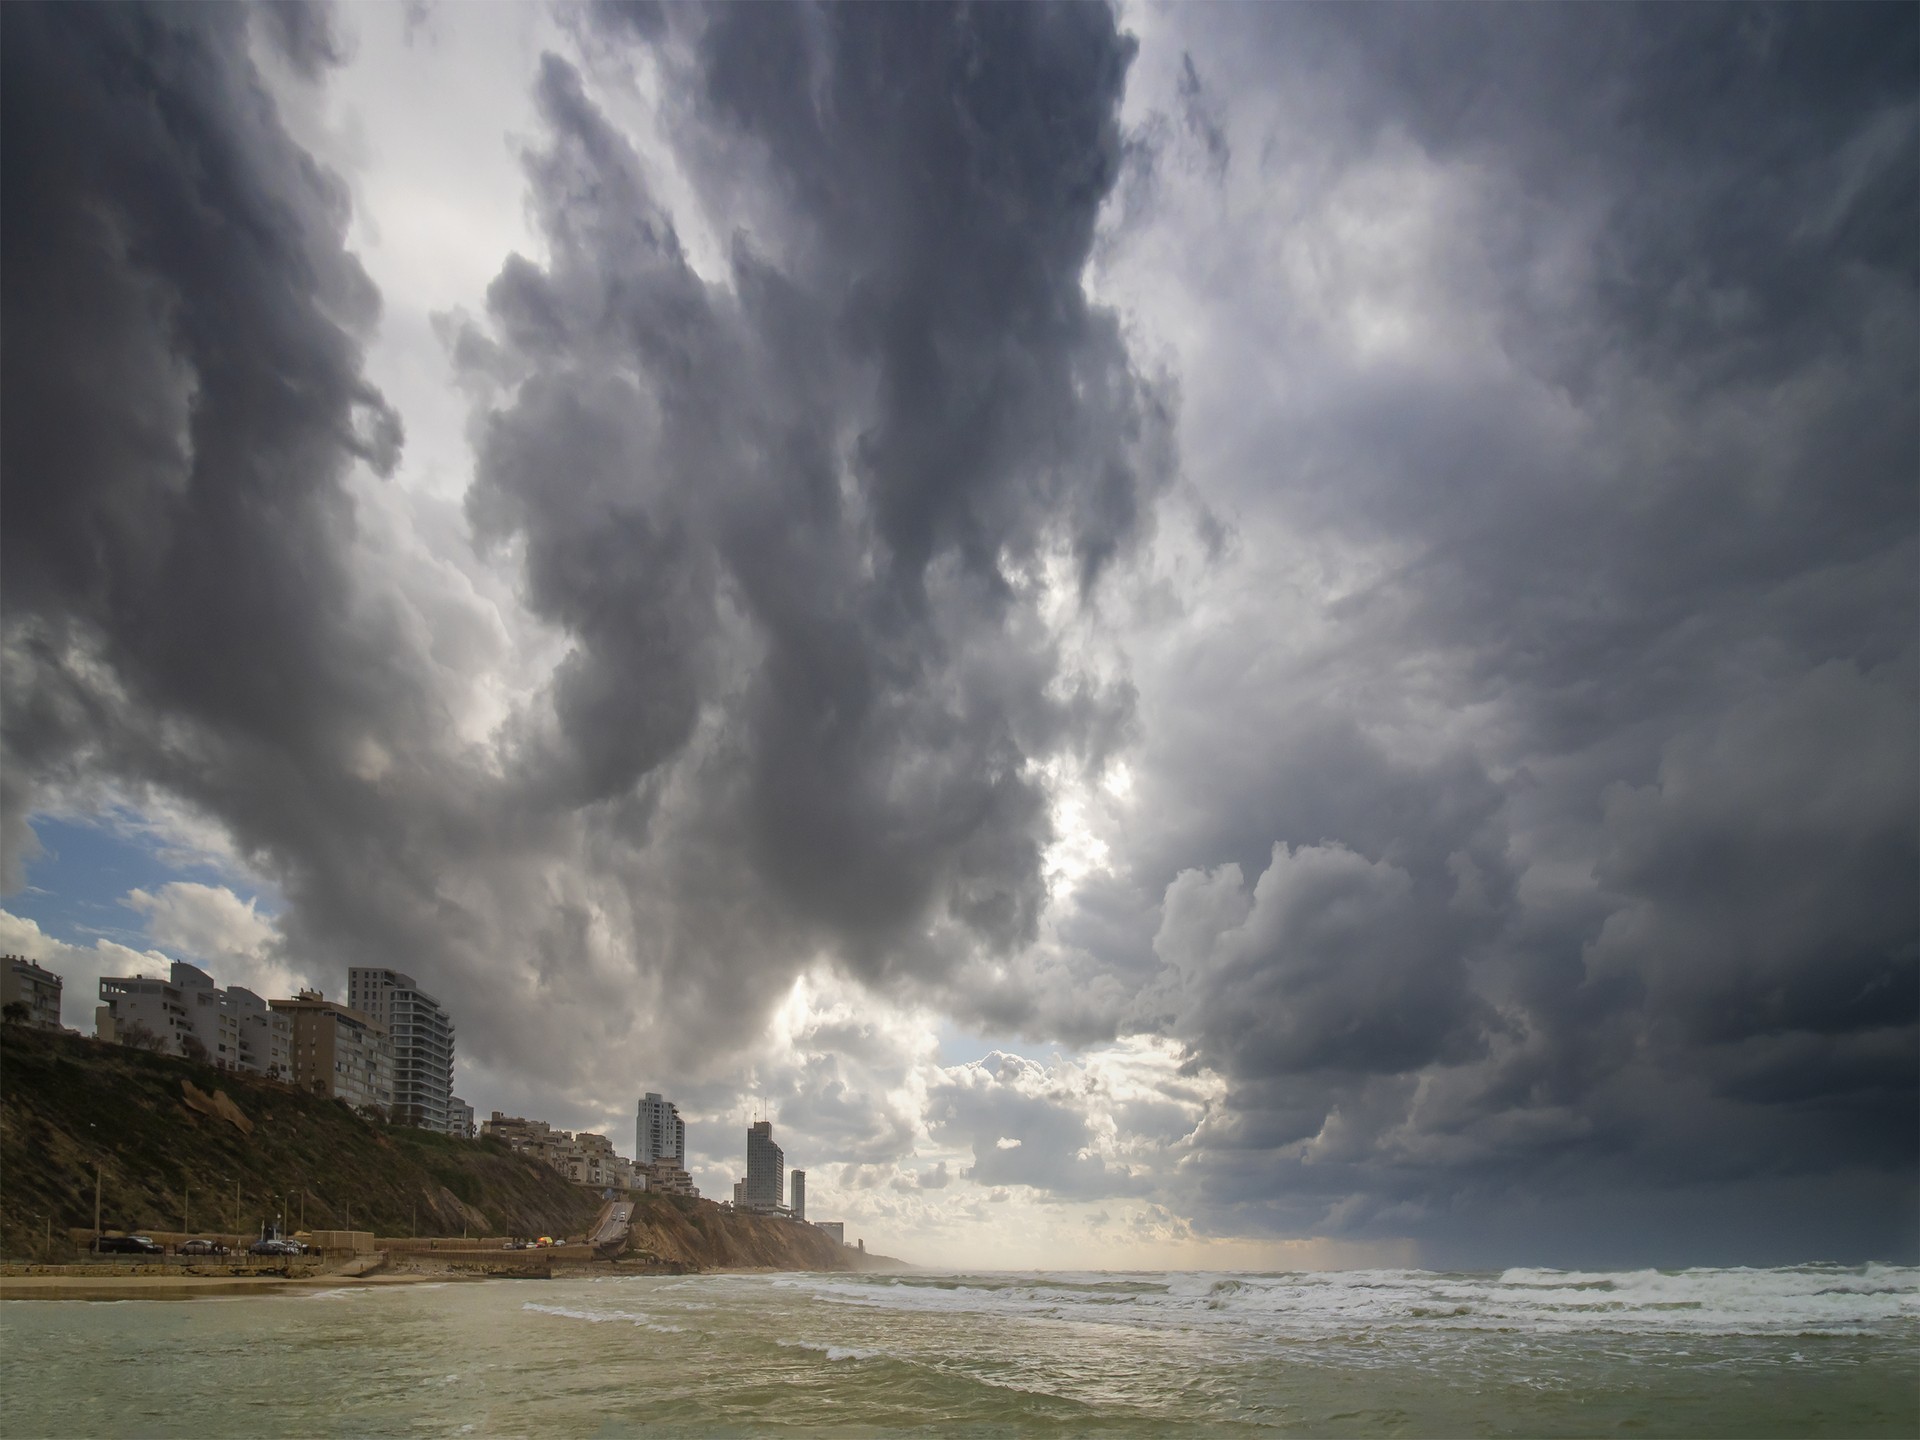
(202, 1247)
(126, 1245)
(274, 1247)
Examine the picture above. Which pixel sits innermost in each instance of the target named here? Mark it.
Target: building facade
(764, 1189)
(517, 1132)
(586, 1158)
(836, 1228)
(665, 1177)
(187, 1014)
(338, 1051)
(265, 1036)
(22, 982)
(420, 1033)
(133, 1007)
(462, 1118)
(659, 1134)
(215, 1029)
(798, 1206)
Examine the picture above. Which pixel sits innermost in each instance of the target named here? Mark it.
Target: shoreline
(195, 1287)
(79, 1286)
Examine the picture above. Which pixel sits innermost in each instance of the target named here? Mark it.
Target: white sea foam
(833, 1352)
(604, 1317)
(1812, 1299)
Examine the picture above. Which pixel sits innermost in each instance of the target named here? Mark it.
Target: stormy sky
(1214, 635)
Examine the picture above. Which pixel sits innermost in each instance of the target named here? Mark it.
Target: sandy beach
(191, 1287)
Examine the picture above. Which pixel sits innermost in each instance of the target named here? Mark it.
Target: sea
(1799, 1351)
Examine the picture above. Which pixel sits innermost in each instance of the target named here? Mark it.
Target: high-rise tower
(659, 1134)
(420, 1033)
(766, 1170)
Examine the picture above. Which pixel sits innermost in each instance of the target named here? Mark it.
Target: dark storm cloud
(793, 521)
(184, 615)
(183, 391)
(1523, 810)
(860, 446)
(1663, 545)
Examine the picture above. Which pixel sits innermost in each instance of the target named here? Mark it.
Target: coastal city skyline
(1231, 636)
(387, 1052)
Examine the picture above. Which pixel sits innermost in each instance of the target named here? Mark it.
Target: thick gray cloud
(183, 390)
(794, 522)
(813, 498)
(1025, 1126)
(1508, 692)
(1590, 792)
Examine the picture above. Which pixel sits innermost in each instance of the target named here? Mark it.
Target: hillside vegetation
(166, 1133)
(69, 1105)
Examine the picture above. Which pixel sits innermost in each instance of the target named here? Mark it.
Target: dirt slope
(69, 1104)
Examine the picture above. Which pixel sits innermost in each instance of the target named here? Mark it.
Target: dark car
(274, 1247)
(126, 1245)
(202, 1247)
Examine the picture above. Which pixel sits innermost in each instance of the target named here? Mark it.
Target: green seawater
(1814, 1350)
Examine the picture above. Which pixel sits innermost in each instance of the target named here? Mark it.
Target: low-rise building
(586, 1158)
(836, 1228)
(460, 1119)
(142, 1010)
(337, 1051)
(591, 1162)
(667, 1178)
(188, 1014)
(514, 1130)
(23, 982)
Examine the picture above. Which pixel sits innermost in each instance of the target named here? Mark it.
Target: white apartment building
(460, 1114)
(421, 1034)
(235, 1028)
(22, 982)
(266, 1035)
(210, 1022)
(181, 1013)
(659, 1134)
(133, 1003)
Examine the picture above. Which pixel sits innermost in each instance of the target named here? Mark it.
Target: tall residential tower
(420, 1032)
(659, 1134)
(765, 1186)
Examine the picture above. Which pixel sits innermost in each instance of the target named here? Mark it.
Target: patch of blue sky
(960, 1046)
(77, 886)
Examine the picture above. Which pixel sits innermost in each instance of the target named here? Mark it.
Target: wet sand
(405, 1268)
(192, 1287)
